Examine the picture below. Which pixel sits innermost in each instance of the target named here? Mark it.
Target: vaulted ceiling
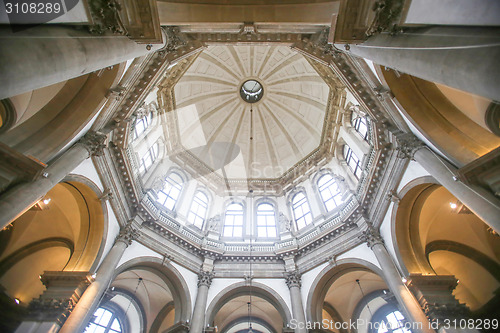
(259, 140)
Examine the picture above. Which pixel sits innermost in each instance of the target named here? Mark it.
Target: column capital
(174, 39)
(205, 278)
(127, 235)
(293, 279)
(408, 145)
(94, 143)
(371, 236)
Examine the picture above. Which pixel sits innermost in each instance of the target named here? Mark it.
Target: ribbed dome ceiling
(285, 125)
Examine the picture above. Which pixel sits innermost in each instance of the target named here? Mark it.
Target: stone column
(198, 320)
(90, 300)
(460, 57)
(48, 312)
(407, 302)
(293, 281)
(483, 204)
(51, 54)
(20, 198)
(435, 295)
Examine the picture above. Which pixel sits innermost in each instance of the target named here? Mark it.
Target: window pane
(104, 320)
(116, 325)
(301, 210)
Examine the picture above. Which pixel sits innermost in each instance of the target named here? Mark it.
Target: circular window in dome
(251, 91)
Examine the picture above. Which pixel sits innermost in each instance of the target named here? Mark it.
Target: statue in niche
(158, 184)
(343, 187)
(213, 223)
(285, 224)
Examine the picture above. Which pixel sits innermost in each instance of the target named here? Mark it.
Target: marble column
(460, 57)
(48, 54)
(480, 202)
(20, 198)
(88, 303)
(435, 295)
(412, 310)
(293, 281)
(198, 320)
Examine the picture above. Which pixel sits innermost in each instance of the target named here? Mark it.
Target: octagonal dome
(251, 139)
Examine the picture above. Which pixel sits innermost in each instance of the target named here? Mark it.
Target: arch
(172, 278)
(327, 277)
(133, 300)
(241, 289)
(55, 124)
(447, 127)
(155, 326)
(400, 221)
(31, 248)
(446, 245)
(245, 320)
(90, 248)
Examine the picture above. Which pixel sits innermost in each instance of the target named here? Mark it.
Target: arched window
(148, 159)
(301, 210)
(104, 321)
(233, 221)
(393, 322)
(266, 220)
(140, 125)
(352, 161)
(360, 124)
(329, 191)
(170, 194)
(198, 210)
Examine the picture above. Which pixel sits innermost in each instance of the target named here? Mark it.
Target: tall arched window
(352, 161)
(198, 211)
(301, 210)
(140, 125)
(360, 124)
(329, 191)
(148, 159)
(104, 321)
(266, 220)
(393, 322)
(170, 194)
(233, 221)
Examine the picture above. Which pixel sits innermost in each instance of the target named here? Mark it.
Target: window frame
(349, 156)
(357, 122)
(167, 195)
(148, 120)
(153, 153)
(265, 201)
(116, 313)
(225, 220)
(293, 209)
(334, 182)
(193, 201)
(381, 316)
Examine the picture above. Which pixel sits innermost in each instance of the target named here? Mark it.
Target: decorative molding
(105, 17)
(94, 143)
(293, 279)
(408, 145)
(435, 295)
(205, 278)
(127, 234)
(371, 236)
